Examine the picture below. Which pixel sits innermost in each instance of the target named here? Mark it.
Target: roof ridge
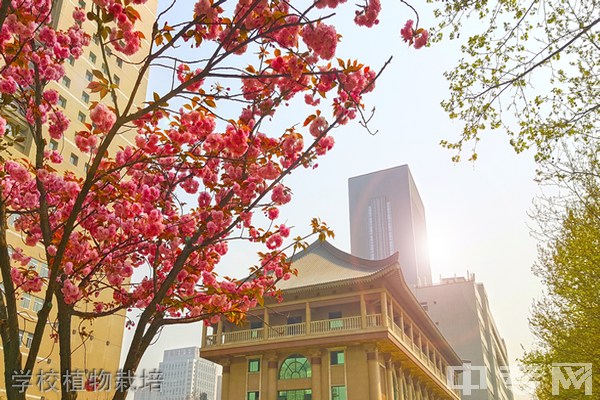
(358, 261)
(355, 261)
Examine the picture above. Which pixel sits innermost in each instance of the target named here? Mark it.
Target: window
(119, 62)
(74, 159)
(252, 396)
(116, 79)
(255, 326)
(72, 60)
(294, 320)
(53, 144)
(295, 366)
(104, 69)
(302, 394)
(338, 393)
(337, 357)
(62, 102)
(26, 339)
(38, 304)
(43, 271)
(81, 3)
(12, 219)
(336, 321)
(85, 97)
(89, 76)
(25, 300)
(66, 81)
(254, 365)
(81, 117)
(92, 57)
(20, 134)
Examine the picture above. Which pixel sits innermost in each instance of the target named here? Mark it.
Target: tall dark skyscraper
(387, 216)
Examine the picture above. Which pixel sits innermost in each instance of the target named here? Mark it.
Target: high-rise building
(387, 216)
(460, 309)
(96, 346)
(185, 376)
(347, 329)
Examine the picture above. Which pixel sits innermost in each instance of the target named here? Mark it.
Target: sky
(477, 213)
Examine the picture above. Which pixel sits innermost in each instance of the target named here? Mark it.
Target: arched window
(295, 366)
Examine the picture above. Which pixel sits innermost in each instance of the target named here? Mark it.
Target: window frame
(38, 304)
(253, 365)
(334, 355)
(339, 396)
(295, 366)
(25, 301)
(335, 321)
(74, 159)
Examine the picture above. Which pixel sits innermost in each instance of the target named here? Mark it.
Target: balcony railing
(414, 349)
(281, 331)
(287, 330)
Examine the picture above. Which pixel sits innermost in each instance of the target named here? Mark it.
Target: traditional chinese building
(348, 328)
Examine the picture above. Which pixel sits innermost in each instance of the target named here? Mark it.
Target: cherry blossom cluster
(418, 37)
(367, 16)
(129, 213)
(123, 35)
(35, 51)
(322, 39)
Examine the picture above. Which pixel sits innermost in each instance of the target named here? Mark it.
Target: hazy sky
(477, 213)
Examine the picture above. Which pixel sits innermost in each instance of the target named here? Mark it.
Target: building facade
(185, 376)
(347, 329)
(459, 307)
(99, 348)
(387, 216)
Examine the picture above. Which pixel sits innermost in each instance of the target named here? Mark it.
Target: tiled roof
(322, 264)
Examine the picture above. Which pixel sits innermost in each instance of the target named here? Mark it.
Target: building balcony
(359, 324)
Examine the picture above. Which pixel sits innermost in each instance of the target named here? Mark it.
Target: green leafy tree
(530, 68)
(566, 321)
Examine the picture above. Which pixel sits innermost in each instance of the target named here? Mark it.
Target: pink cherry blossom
(369, 13)
(407, 31)
(322, 39)
(2, 127)
(421, 39)
(103, 118)
(318, 126)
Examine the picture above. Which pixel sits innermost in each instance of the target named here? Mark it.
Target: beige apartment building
(101, 349)
(347, 329)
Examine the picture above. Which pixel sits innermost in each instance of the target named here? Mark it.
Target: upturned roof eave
(342, 282)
